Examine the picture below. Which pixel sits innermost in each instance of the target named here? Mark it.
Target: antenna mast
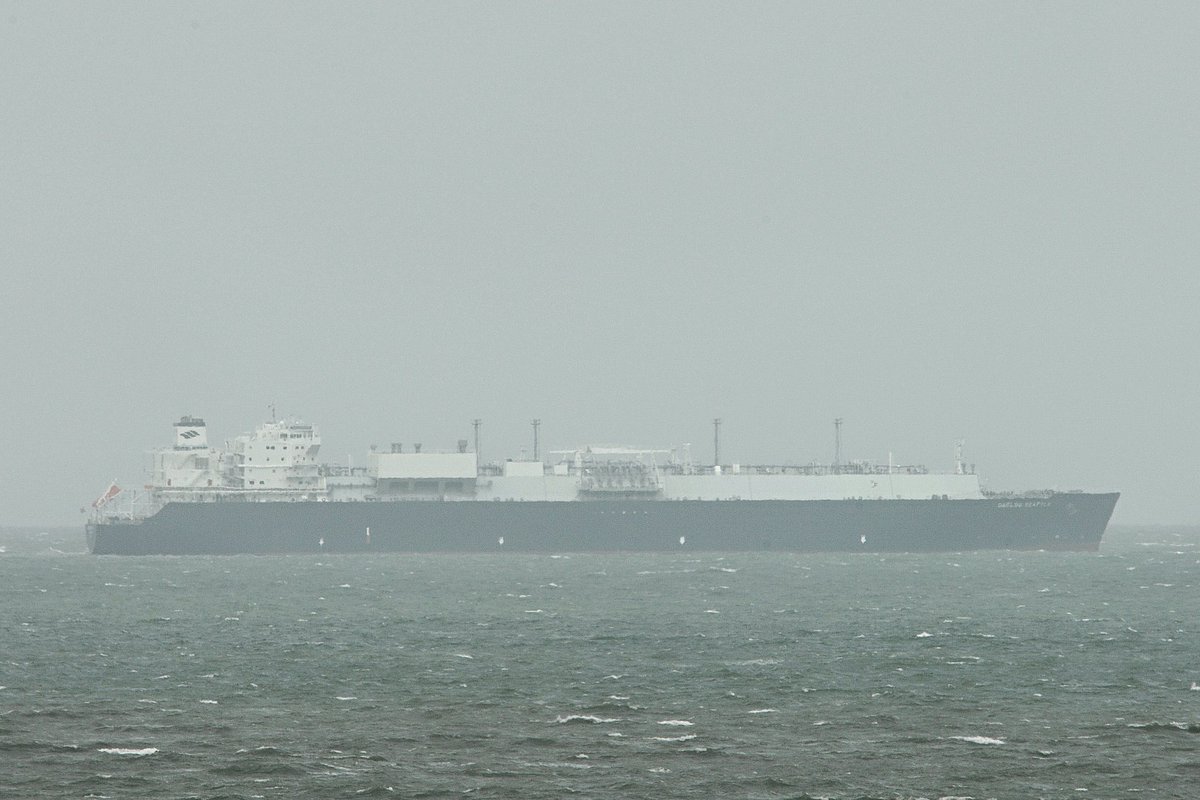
(537, 423)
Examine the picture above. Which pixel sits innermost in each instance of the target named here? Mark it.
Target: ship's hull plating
(1073, 521)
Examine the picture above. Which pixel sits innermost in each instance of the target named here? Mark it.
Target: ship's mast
(837, 445)
(716, 441)
(476, 423)
(537, 423)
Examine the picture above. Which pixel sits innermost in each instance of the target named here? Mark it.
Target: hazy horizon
(936, 221)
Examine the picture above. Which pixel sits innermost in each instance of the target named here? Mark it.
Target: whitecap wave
(979, 739)
(592, 718)
(687, 737)
(1190, 727)
(676, 722)
(129, 751)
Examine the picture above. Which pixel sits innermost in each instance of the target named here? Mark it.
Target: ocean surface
(1005, 675)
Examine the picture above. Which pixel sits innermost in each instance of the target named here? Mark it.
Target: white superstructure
(277, 456)
(190, 464)
(279, 462)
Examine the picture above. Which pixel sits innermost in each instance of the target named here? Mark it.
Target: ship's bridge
(278, 455)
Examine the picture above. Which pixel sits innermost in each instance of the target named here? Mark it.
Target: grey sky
(934, 220)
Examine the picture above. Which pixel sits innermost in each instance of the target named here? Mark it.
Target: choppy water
(743, 675)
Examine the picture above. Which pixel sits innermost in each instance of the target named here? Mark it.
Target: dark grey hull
(1073, 521)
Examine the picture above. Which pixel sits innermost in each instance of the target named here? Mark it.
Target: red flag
(112, 492)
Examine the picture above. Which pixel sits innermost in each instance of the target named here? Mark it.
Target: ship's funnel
(191, 434)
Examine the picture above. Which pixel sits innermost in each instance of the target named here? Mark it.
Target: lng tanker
(267, 492)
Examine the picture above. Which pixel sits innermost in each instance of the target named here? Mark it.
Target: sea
(741, 675)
